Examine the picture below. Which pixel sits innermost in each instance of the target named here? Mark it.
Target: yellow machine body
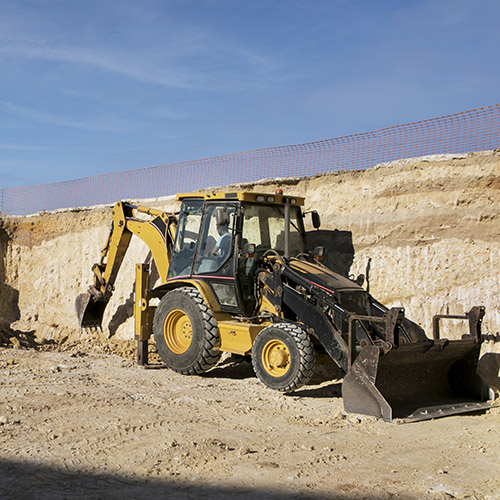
(235, 276)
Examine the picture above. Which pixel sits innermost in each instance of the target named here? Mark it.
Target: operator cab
(214, 233)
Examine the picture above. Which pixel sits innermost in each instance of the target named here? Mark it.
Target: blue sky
(91, 87)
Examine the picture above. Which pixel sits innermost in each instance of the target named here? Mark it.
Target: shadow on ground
(234, 369)
(333, 390)
(239, 368)
(43, 482)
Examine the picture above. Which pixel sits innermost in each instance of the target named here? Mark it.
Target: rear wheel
(186, 332)
(283, 357)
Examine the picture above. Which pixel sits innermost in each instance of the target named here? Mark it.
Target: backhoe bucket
(89, 311)
(416, 381)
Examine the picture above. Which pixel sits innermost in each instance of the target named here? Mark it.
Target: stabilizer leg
(142, 313)
(142, 352)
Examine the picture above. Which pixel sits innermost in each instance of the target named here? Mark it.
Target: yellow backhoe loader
(235, 276)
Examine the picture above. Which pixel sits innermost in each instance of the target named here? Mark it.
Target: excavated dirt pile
(78, 419)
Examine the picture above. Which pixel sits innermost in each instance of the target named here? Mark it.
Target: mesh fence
(474, 130)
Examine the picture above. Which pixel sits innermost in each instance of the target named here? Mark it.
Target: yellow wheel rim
(276, 358)
(177, 331)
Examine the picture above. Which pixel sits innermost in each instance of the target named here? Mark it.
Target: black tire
(186, 332)
(283, 357)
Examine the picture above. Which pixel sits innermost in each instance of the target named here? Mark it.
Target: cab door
(186, 238)
(215, 252)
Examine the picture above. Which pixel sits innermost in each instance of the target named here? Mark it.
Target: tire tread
(307, 357)
(209, 356)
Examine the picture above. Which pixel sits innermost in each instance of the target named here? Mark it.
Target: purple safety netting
(473, 130)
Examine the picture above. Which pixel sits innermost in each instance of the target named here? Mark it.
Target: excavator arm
(158, 232)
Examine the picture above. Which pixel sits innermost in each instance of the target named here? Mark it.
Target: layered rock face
(425, 233)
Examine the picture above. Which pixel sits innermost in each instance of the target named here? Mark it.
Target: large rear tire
(186, 332)
(283, 357)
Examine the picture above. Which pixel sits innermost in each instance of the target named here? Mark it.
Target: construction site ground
(76, 423)
(80, 420)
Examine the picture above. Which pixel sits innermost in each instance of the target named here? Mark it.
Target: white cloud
(106, 60)
(171, 54)
(103, 123)
(5, 146)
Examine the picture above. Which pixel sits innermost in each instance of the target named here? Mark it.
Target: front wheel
(283, 357)
(186, 332)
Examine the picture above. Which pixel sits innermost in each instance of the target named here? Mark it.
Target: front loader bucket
(416, 381)
(89, 311)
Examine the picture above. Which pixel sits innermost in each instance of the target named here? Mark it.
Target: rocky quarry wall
(425, 231)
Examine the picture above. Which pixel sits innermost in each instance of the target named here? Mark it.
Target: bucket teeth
(89, 312)
(91, 328)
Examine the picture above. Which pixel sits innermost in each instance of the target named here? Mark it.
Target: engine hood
(323, 277)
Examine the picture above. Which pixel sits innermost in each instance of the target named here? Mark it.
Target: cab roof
(266, 198)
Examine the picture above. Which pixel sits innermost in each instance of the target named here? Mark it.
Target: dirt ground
(79, 419)
(76, 424)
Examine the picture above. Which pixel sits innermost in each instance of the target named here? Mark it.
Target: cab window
(215, 247)
(188, 227)
(264, 226)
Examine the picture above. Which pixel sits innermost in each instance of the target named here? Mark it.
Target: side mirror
(222, 216)
(316, 220)
(360, 280)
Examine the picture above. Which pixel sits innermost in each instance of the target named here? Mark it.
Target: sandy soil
(79, 419)
(78, 424)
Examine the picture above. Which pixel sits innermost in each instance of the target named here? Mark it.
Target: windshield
(264, 226)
